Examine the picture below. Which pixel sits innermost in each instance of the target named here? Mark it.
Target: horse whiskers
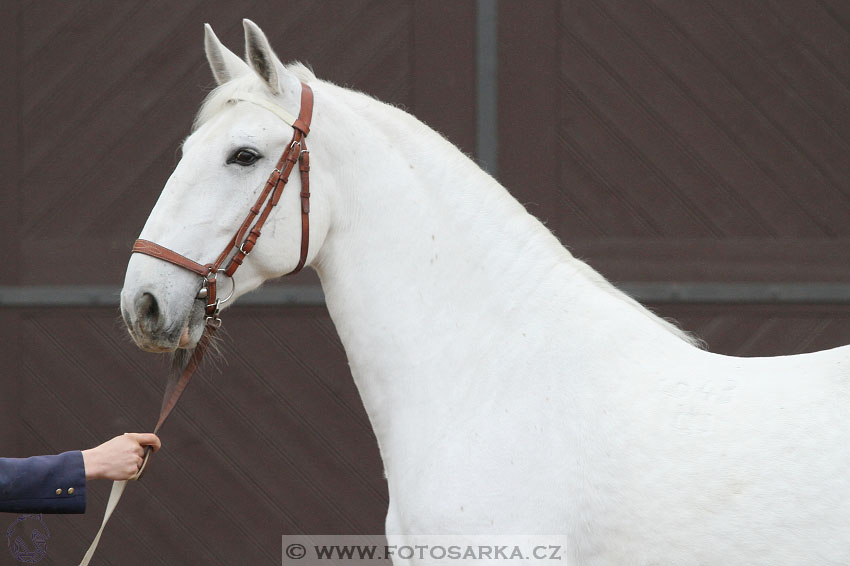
(215, 350)
(214, 355)
(121, 329)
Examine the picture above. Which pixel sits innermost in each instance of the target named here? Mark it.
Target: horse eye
(244, 157)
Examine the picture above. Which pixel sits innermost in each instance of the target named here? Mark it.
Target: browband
(268, 105)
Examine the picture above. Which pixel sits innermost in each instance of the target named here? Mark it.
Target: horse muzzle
(151, 327)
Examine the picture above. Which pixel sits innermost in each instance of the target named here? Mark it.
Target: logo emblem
(27, 539)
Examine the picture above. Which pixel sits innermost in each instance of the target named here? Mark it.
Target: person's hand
(119, 458)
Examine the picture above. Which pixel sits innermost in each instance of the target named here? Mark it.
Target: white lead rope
(111, 504)
(114, 497)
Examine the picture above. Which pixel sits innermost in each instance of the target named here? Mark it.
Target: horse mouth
(164, 344)
(157, 344)
(162, 340)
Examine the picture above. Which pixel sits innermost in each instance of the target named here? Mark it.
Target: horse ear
(260, 56)
(224, 63)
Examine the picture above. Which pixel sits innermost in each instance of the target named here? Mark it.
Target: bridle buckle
(213, 319)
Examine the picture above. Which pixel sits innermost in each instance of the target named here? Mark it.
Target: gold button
(58, 492)
(70, 491)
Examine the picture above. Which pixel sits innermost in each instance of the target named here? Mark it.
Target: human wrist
(92, 465)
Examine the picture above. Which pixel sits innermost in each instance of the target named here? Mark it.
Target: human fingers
(146, 439)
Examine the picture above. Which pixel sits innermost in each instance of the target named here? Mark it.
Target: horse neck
(429, 262)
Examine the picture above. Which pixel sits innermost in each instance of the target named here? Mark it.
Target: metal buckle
(213, 319)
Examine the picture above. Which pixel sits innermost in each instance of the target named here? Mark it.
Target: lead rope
(173, 389)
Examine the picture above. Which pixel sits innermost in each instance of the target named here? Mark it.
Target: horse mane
(249, 83)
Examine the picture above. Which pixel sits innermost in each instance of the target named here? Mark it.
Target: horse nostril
(147, 311)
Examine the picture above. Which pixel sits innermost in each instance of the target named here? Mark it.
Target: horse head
(244, 126)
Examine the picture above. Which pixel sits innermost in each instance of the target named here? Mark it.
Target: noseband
(249, 231)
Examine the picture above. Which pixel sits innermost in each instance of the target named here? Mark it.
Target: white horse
(511, 388)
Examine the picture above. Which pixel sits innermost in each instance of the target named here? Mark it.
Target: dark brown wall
(669, 140)
(662, 141)
(271, 440)
(105, 91)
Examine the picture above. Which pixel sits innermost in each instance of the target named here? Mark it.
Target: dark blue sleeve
(43, 484)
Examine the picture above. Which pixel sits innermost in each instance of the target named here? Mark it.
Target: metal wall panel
(270, 439)
(683, 140)
(105, 92)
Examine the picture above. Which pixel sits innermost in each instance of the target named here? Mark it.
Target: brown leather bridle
(243, 242)
(249, 231)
